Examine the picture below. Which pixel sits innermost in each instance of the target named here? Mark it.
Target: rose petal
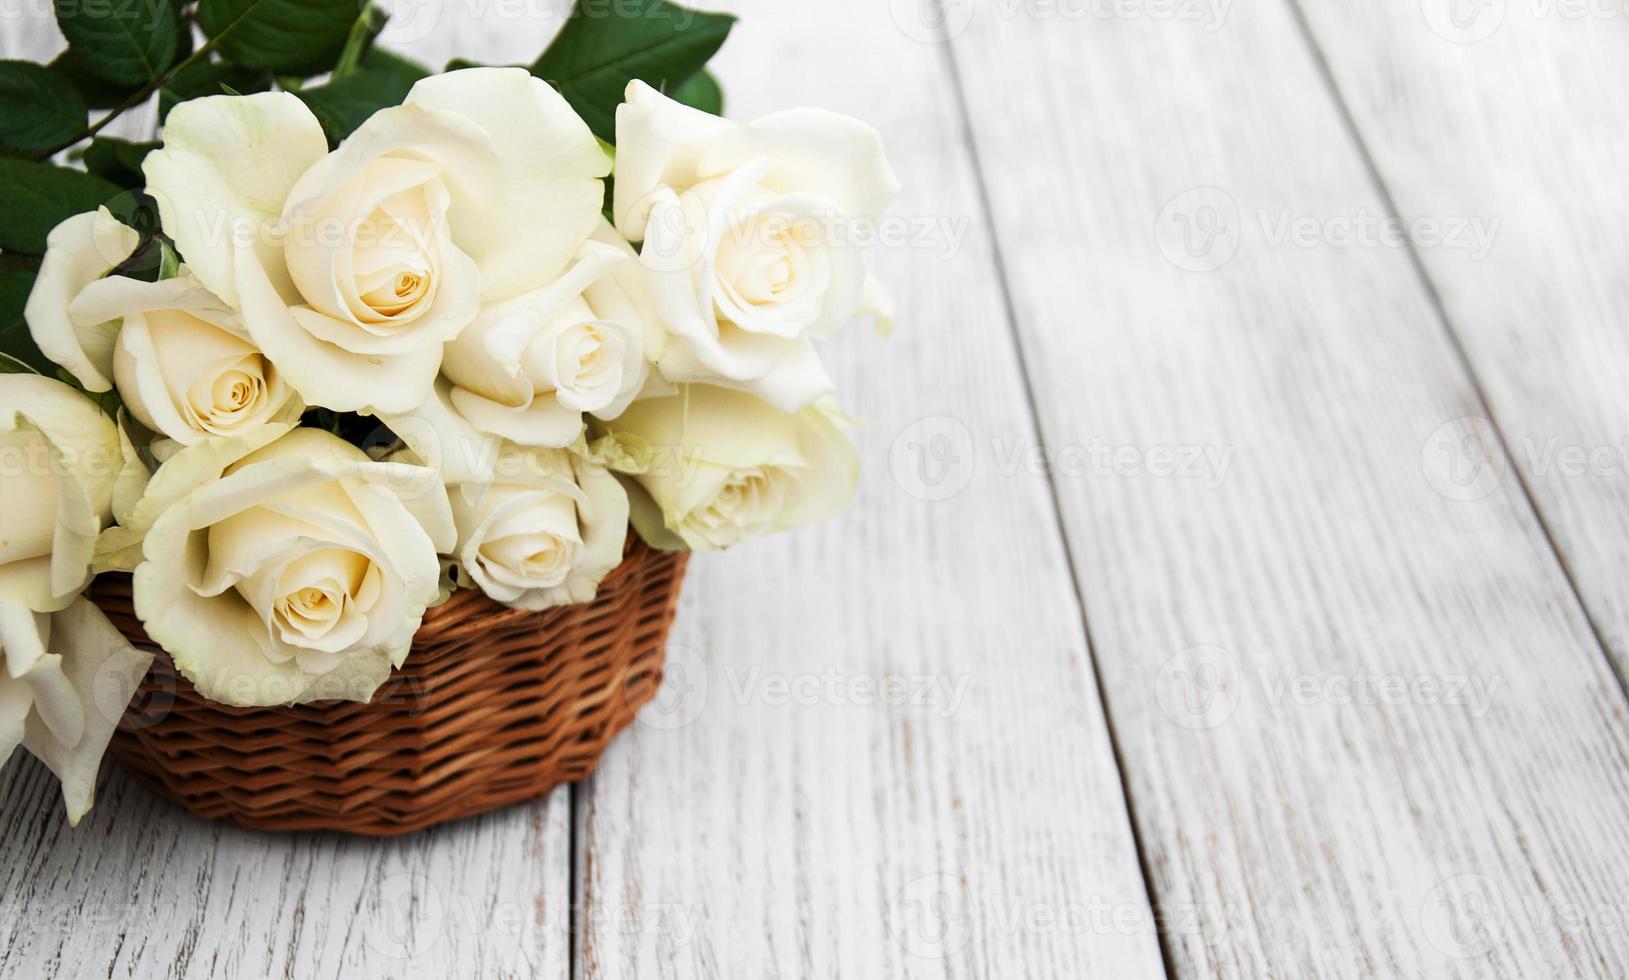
(221, 179)
(78, 252)
(104, 671)
(551, 191)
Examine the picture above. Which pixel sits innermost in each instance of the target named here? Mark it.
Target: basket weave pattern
(492, 706)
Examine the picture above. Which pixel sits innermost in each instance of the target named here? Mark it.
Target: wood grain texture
(140, 889)
(972, 829)
(1278, 640)
(1524, 129)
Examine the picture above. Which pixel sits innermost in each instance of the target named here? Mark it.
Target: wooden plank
(765, 822)
(141, 889)
(1366, 728)
(1514, 118)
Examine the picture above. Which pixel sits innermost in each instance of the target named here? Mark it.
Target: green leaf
(39, 109)
(599, 52)
(118, 160)
(169, 261)
(378, 57)
(702, 92)
(210, 78)
(97, 93)
(39, 195)
(301, 37)
(127, 42)
(16, 344)
(346, 103)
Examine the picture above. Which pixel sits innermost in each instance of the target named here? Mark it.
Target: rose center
(232, 395)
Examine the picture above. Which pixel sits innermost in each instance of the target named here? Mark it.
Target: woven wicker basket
(493, 706)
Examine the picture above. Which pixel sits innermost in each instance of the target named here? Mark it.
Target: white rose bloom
(68, 677)
(715, 467)
(78, 252)
(183, 364)
(750, 237)
(289, 570)
(351, 269)
(544, 532)
(528, 368)
(65, 470)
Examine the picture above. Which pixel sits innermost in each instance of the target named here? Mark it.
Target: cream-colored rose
(65, 470)
(68, 677)
(181, 359)
(528, 368)
(285, 566)
(714, 466)
(351, 269)
(752, 237)
(182, 362)
(544, 531)
(78, 252)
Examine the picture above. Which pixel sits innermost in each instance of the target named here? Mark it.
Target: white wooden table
(1237, 587)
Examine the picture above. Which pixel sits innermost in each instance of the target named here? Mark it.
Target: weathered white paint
(1315, 837)
(1520, 134)
(979, 834)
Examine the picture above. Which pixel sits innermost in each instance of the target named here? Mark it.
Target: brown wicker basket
(493, 706)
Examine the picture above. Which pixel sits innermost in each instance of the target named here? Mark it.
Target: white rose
(65, 470)
(78, 252)
(289, 567)
(751, 237)
(68, 677)
(714, 467)
(352, 268)
(544, 532)
(528, 368)
(183, 364)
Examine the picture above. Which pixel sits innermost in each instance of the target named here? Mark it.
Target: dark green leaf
(378, 57)
(701, 92)
(117, 160)
(39, 195)
(345, 103)
(39, 109)
(127, 42)
(601, 50)
(210, 78)
(16, 345)
(97, 93)
(302, 37)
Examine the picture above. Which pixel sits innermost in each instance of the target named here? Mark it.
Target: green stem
(367, 27)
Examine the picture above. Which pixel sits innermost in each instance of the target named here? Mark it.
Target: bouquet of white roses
(329, 350)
